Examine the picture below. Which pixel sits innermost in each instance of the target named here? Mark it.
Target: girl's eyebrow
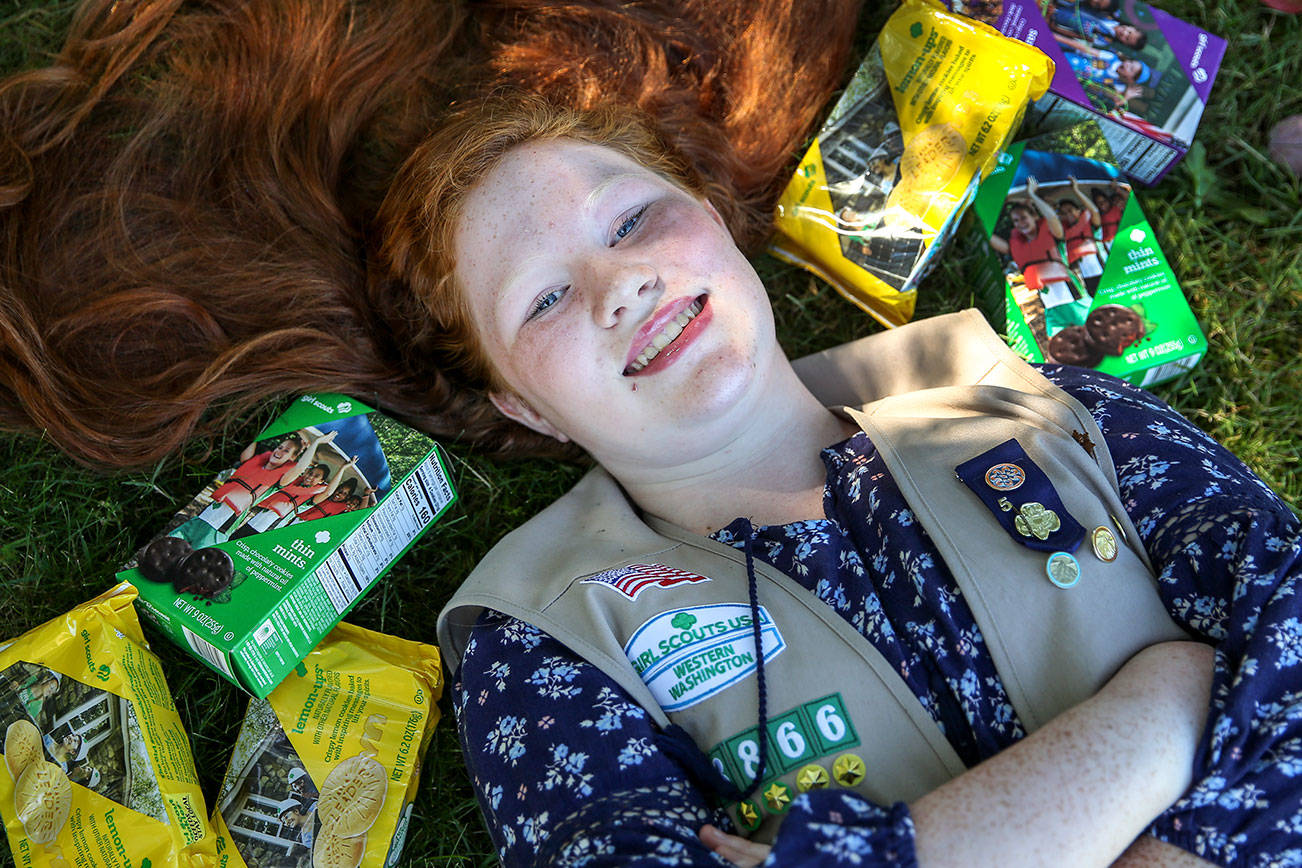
(601, 189)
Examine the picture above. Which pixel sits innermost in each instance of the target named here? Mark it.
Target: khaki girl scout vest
(665, 612)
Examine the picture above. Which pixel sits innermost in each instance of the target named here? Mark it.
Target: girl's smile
(671, 330)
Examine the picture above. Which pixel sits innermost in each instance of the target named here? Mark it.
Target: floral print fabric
(570, 772)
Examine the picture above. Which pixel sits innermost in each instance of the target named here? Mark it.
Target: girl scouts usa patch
(685, 656)
(633, 579)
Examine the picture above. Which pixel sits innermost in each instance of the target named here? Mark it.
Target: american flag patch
(633, 579)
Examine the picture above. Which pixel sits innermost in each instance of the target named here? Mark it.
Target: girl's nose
(628, 289)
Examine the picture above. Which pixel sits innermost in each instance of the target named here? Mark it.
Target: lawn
(1229, 219)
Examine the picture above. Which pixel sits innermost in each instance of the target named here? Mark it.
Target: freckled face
(614, 303)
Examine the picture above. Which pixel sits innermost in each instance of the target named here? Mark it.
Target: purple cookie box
(1150, 135)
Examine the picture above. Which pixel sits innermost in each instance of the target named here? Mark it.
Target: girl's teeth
(665, 338)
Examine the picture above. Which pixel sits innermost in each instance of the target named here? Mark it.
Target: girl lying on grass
(772, 609)
(607, 646)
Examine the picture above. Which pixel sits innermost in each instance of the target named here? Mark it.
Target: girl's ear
(709, 206)
(517, 409)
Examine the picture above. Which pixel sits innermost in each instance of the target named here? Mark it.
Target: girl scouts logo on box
(688, 655)
(633, 579)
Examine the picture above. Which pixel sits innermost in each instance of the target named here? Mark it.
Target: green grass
(1230, 222)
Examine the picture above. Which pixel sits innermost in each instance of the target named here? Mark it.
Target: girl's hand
(1075, 185)
(1032, 185)
(737, 850)
(325, 438)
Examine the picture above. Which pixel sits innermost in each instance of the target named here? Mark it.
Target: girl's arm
(1050, 216)
(1077, 45)
(308, 456)
(1096, 219)
(565, 765)
(1000, 245)
(334, 483)
(1081, 788)
(1078, 791)
(249, 451)
(1227, 553)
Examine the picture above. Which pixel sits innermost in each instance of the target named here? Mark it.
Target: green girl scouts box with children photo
(1070, 270)
(277, 548)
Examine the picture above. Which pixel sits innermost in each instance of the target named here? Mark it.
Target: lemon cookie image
(933, 157)
(22, 747)
(931, 160)
(43, 801)
(352, 795)
(333, 850)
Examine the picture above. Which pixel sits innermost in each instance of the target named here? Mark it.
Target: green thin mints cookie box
(1070, 270)
(264, 562)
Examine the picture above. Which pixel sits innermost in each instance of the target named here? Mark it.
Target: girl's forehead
(540, 176)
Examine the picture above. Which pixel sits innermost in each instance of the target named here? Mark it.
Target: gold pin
(1105, 544)
(1063, 569)
(748, 815)
(777, 797)
(1034, 520)
(812, 777)
(848, 770)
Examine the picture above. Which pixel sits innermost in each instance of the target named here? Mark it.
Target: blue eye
(629, 224)
(546, 300)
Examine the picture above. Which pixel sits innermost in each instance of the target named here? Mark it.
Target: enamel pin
(1063, 569)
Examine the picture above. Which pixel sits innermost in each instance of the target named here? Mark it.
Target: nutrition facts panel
(396, 522)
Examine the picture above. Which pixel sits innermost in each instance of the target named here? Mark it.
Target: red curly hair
(190, 194)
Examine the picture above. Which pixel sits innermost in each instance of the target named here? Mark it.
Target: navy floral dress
(569, 771)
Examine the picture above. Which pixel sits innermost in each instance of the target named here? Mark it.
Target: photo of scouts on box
(312, 473)
(861, 154)
(90, 734)
(268, 799)
(1125, 65)
(1054, 235)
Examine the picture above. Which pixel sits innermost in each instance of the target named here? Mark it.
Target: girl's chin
(709, 396)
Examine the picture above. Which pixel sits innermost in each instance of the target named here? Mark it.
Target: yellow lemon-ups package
(881, 190)
(325, 769)
(97, 766)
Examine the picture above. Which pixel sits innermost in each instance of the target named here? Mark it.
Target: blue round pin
(1063, 569)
